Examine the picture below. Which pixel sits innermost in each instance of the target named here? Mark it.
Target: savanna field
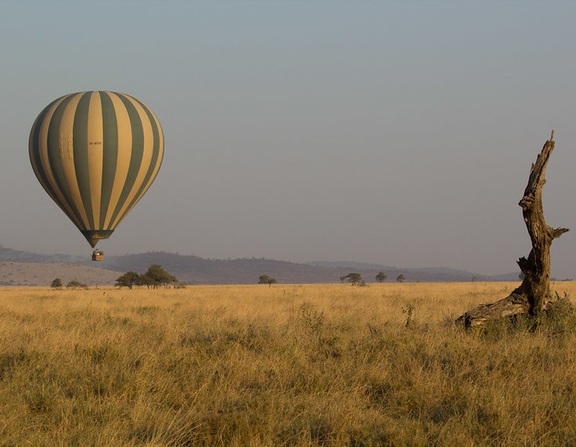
(286, 365)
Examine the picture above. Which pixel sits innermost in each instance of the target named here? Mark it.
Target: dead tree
(533, 296)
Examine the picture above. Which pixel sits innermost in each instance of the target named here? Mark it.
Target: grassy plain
(287, 365)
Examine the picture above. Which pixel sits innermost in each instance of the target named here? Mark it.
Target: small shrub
(311, 319)
(76, 285)
(408, 310)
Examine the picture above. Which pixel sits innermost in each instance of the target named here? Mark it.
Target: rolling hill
(25, 268)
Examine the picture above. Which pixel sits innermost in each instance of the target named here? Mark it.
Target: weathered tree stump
(533, 296)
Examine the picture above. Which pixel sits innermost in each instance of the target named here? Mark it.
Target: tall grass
(287, 365)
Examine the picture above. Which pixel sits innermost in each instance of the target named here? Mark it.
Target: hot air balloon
(96, 153)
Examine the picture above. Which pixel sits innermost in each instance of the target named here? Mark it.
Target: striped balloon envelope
(96, 153)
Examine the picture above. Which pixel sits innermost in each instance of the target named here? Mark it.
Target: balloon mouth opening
(94, 236)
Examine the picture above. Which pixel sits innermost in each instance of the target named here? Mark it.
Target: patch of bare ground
(38, 274)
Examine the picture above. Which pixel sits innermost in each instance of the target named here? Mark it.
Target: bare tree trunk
(533, 295)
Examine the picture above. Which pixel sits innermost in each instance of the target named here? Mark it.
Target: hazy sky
(394, 132)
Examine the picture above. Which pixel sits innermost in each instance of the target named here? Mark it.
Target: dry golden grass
(287, 365)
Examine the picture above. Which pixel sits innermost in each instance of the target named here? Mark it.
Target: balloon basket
(97, 255)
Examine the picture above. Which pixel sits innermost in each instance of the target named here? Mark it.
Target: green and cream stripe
(96, 154)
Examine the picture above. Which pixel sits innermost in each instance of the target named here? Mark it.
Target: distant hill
(24, 268)
(8, 254)
(196, 270)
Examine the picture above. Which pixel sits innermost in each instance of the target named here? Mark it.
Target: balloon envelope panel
(96, 153)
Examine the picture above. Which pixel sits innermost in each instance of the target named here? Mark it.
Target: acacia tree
(533, 296)
(381, 277)
(156, 276)
(353, 278)
(265, 279)
(128, 279)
